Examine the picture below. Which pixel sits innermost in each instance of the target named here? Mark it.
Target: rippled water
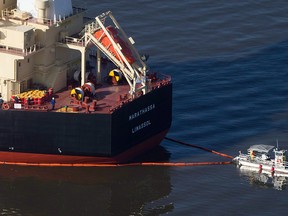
(228, 60)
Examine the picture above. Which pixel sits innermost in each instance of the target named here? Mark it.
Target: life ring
(5, 106)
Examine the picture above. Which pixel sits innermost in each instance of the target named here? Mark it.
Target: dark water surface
(228, 60)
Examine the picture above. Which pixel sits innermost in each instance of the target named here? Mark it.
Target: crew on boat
(252, 155)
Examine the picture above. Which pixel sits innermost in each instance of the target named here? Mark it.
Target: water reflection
(264, 179)
(84, 191)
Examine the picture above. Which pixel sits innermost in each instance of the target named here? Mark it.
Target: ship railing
(92, 27)
(43, 21)
(34, 48)
(127, 98)
(7, 12)
(46, 21)
(164, 77)
(75, 41)
(22, 52)
(162, 80)
(157, 80)
(13, 13)
(58, 20)
(16, 14)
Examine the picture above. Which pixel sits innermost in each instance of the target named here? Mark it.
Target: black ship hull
(116, 137)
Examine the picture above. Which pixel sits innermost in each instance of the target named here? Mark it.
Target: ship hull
(77, 138)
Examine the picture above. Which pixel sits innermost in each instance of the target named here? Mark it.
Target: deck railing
(75, 41)
(11, 14)
(21, 52)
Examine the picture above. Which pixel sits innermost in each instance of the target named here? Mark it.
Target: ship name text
(141, 112)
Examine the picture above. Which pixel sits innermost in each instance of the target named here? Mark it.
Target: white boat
(265, 158)
(264, 178)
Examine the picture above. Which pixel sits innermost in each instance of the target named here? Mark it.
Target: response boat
(266, 158)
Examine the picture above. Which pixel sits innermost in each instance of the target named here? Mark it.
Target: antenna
(277, 143)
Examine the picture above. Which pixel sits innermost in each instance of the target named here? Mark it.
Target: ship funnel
(41, 6)
(53, 10)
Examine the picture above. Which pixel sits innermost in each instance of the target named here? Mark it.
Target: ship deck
(107, 98)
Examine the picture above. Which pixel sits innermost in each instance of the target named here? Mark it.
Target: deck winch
(87, 90)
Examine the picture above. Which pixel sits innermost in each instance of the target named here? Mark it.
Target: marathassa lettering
(141, 112)
(141, 126)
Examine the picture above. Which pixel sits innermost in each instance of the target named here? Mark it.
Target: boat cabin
(264, 152)
(280, 157)
(268, 152)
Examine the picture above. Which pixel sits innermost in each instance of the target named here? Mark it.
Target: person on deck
(16, 99)
(29, 100)
(1, 100)
(53, 102)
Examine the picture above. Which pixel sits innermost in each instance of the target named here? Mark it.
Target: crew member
(16, 99)
(29, 100)
(252, 154)
(1, 100)
(53, 102)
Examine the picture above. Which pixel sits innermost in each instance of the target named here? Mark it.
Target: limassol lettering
(141, 126)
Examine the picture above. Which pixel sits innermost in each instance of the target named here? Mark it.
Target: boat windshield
(261, 148)
(278, 153)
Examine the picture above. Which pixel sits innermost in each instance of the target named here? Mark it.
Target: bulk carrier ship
(75, 91)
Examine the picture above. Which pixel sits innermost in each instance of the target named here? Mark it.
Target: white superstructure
(29, 37)
(40, 44)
